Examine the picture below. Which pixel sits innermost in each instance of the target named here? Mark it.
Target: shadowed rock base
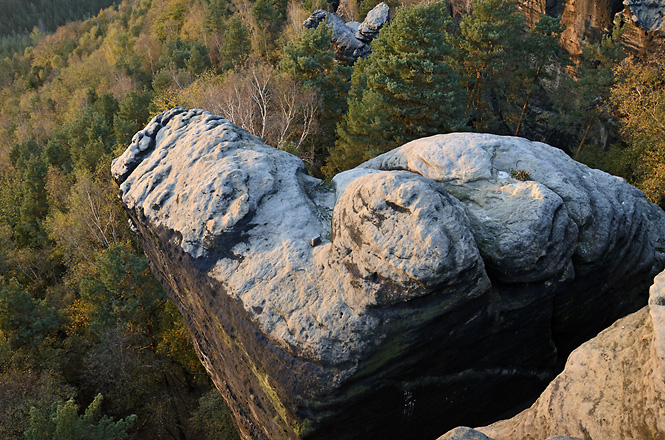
(613, 387)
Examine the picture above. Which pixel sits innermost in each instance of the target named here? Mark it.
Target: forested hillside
(80, 313)
(23, 22)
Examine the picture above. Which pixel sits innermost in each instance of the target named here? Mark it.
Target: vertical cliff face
(613, 386)
(587, 20)
(435, 285)
(590, 19)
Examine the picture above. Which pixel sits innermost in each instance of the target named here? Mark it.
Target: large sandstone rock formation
(429, 288)
(613, 387)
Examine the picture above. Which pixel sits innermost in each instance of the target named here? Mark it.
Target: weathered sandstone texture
(464, 433)
(645, 28)
(428, 288)
(351, 40)
(613, 386)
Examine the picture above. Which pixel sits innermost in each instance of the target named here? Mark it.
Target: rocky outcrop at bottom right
(612, 388)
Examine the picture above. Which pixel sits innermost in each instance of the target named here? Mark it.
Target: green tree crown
(404, 90)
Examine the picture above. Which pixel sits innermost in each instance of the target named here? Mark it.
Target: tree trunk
(579, 148)
(528, 98)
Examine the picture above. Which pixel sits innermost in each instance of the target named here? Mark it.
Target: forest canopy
(86, 332)
(22, 22)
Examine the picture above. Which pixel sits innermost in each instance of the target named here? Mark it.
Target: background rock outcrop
(645, 29)
(453, 261)
(613, 386)
(590, 19)
(351, 40)
(584, 20)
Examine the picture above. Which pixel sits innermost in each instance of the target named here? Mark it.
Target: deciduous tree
(639, 99)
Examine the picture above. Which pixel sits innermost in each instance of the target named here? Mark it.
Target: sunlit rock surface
(426, 289)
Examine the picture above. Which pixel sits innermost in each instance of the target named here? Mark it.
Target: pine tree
(492, 60)
(404, 90)
(31, 193)
(267, 20)
(132, 115)
(216, 13)
(363, 134)
(64, 423)
(236, 46)
(544, 50)
(586, 102)
(24, 319)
